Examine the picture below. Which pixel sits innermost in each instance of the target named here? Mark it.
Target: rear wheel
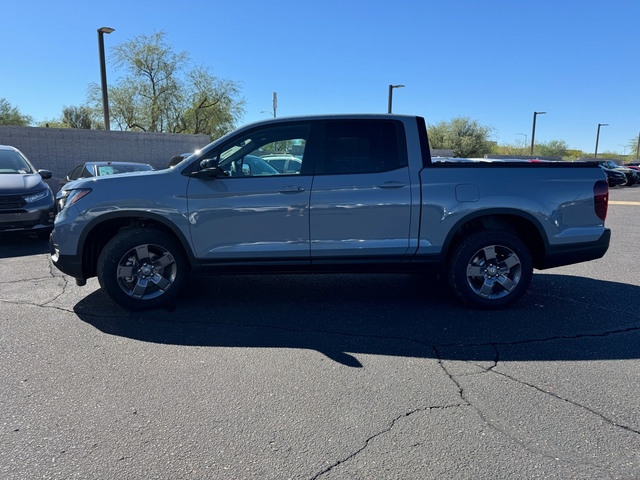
(490, 269)
(142, 268)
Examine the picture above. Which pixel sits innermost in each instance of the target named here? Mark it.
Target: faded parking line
(618, 202)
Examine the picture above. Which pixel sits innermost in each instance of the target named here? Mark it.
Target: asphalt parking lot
(323, 377)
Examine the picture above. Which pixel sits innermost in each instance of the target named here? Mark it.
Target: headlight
(34, 197)
(66, 198)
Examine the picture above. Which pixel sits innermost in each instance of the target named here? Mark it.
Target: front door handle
(391, 185)
(291, 189)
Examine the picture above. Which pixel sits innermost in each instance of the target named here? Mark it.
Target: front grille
(11, 202)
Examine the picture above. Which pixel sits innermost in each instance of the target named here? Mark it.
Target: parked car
(283, 162)
(634, 167)
(26, 201)
(98, 169)
(632, 176)
(614, 177)
(250, 165)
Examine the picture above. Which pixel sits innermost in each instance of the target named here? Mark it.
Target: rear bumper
(560, 255)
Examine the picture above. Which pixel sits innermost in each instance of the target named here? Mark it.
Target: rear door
(361, 196)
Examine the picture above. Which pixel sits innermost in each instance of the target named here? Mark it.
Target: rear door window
(363, 146)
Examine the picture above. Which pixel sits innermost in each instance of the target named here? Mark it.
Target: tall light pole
(275, 103)
(103, 74)
(391, 87)
(533, 130)
(526, 137)
(595, 155)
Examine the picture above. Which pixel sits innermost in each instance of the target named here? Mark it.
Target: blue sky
(495, 61)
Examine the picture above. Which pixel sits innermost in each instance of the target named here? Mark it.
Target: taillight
(601, 198)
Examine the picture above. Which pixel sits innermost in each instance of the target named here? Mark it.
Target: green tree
(214, 108)
(77, 117)
(10, 115)
(553, 148)
(466, 137)
(161, 92)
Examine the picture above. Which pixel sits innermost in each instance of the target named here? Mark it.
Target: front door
(254, 212)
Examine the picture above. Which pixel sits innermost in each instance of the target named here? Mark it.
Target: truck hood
(20, 184)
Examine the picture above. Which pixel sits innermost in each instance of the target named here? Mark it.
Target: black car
(632, 176)
(97, 169)
(26, 201)
(614, 177)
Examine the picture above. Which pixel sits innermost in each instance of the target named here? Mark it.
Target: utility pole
(390, 99)
(533, 130)
(275, 103)
(103, 74)
(595, 155)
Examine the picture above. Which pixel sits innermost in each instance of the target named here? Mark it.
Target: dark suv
(26, 201)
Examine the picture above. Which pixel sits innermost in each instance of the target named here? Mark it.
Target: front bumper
(28, 220)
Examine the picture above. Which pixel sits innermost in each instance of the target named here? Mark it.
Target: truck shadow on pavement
(342, 316)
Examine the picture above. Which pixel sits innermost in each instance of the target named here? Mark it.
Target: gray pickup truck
(365, 197)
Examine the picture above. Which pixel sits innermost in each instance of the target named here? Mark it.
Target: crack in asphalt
(488, 421)
(504, 432)
(52, 274)
(383, 432)
(567, 400)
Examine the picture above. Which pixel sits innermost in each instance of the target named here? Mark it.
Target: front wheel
(490, 269)
(142, 268)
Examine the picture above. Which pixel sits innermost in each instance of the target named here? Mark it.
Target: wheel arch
(524, 226)
(105, 227)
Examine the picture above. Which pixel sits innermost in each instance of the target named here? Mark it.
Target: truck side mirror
(208, 163)
(208, 169)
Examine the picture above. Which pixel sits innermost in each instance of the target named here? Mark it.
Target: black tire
(490, 269)
(142, 268)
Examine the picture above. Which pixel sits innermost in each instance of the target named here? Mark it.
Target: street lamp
(595, 155)
(526, 137)
(275, 103)
(391, 87)
(533, 130)
(103, 74)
